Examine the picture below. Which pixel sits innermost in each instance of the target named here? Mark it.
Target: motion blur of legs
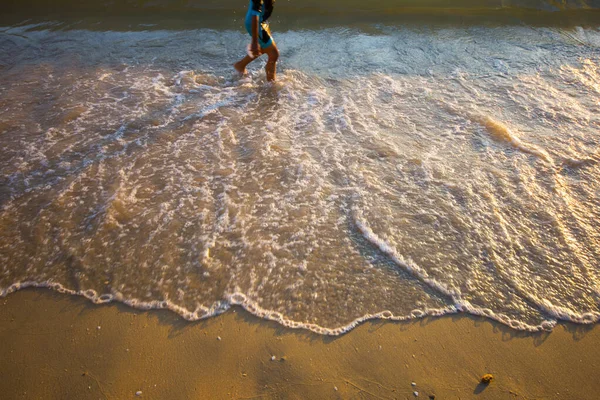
(271, 68)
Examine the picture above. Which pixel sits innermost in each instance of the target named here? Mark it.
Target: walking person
(262, 42)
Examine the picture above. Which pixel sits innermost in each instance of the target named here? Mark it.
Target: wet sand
(56, 346)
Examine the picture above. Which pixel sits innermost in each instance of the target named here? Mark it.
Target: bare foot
(241, 70)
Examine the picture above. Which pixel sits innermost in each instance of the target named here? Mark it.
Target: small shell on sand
(487, 378)
(218, 337)
(138, 393)
(416, 394)
(273, 358)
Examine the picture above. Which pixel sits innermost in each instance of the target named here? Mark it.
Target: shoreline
(239, 300)
(63, 346)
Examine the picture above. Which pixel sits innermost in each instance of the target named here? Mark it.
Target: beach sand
(56, 346)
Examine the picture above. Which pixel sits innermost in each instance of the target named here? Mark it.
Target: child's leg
(240, 66)
(271, 67)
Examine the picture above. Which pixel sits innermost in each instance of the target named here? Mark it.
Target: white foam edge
(241, 300)
(461, 305)
(233, 299)
(406, 264)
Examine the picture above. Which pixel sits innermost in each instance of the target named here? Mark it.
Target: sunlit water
(393, 173)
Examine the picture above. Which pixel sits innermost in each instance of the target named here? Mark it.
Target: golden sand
(55, 346)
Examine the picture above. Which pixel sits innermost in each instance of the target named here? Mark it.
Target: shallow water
(392, 171)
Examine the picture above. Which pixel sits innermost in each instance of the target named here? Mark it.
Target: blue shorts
(264, 39)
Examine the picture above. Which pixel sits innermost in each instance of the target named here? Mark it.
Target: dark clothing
(264, 8)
